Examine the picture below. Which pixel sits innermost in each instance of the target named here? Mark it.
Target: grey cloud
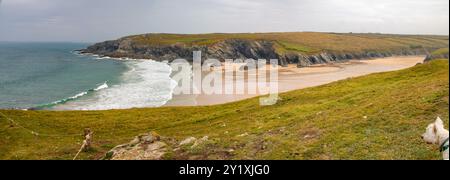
(98, 20)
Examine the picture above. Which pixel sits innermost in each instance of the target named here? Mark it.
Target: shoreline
(292, 78)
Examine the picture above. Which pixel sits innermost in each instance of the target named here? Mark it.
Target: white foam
(103, 86)
(146, 84)
(68, 99)
(104, 57)
(78, 95)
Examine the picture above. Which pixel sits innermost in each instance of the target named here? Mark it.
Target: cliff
(303, 49)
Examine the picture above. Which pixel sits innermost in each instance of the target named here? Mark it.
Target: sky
(99, 20)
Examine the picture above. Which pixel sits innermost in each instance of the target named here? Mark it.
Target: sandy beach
(292, 78)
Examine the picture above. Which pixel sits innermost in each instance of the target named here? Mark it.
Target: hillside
(438, 54)
(302, 48)
(379, 116)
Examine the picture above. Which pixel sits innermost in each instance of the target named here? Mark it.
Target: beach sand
(292, 78)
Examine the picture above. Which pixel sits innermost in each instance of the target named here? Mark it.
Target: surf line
(63, 101)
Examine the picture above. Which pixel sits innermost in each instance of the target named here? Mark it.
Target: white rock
(188, 141)
(200, 141)
(144, 147)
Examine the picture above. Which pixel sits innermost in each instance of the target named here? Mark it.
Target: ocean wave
(72, 98)
(103, 86)
(147, 83)
(104, 57)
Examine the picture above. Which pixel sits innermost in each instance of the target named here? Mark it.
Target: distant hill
(302, 48)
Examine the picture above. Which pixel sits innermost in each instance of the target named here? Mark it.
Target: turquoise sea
(54, 76)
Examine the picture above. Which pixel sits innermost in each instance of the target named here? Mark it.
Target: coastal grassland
(304, 42)
(287, 46)
(442, 51)
(379, 116)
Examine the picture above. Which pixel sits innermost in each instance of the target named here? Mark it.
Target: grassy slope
(307, 42)
(442, 51)
(325, 122)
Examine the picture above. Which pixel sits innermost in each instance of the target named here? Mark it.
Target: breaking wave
(147, 83)
(72, 98)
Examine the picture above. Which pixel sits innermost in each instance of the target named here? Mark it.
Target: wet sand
(292, 78)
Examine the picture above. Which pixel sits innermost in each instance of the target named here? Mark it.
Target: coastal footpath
(301, 48)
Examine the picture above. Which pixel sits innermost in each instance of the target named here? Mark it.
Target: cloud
(97, 20)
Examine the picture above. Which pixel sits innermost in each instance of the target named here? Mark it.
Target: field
(379, 116)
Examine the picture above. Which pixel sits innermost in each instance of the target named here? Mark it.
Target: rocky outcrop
(150, 146)
(234, 49)
(229, 49)
(193, 142)
(143, 147)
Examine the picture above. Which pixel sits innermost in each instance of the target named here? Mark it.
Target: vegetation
(305, 42)
(287, 46)
(439, 52)
(379, 116)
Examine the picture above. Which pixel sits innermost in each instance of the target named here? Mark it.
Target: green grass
(326, 122)
(305, 42)
(442, 51)
(286, 46)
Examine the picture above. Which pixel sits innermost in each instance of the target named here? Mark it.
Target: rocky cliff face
(230, 49)
(233, 49)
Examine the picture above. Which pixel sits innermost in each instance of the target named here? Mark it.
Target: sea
(54, 76)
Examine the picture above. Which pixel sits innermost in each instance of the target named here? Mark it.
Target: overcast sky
(98, 20)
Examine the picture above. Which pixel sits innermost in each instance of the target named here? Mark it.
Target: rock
(156, 136)
(135, 141)
(194, 142)
(200, 141)
(148, 139)
(143, 147)
(188, 141)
